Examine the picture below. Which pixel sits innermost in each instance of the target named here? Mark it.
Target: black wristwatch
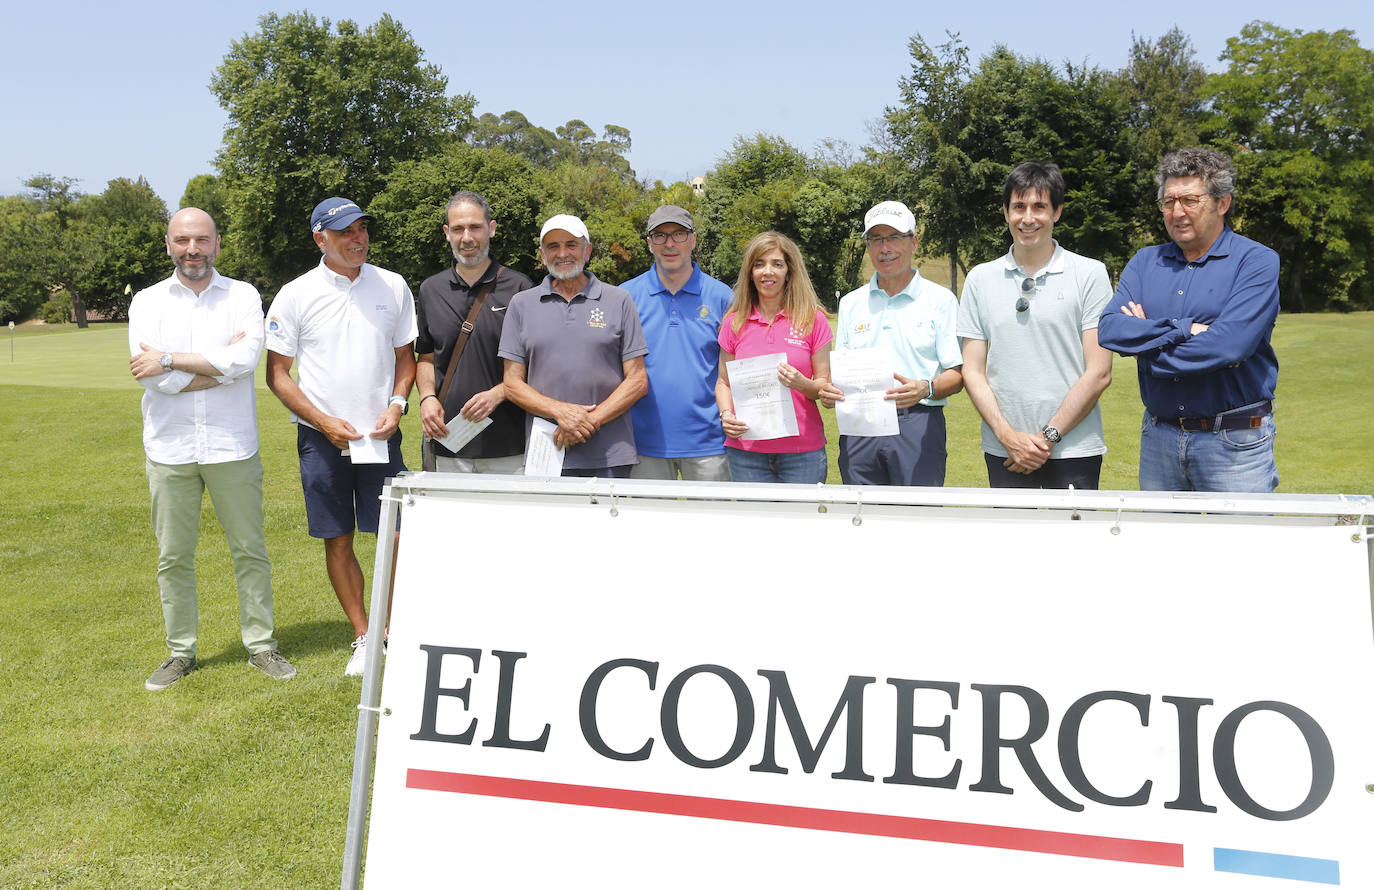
(1051, 434)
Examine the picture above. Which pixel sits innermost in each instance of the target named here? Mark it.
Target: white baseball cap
(568, 223)
(891, 213)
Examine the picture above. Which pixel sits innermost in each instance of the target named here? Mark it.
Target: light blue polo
(1035, 356)
(917, 327)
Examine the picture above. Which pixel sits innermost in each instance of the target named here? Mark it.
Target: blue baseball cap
(336, 213)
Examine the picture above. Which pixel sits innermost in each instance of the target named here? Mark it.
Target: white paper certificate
(864, 375)
(461, 431)
(541, 457)
(761, 400)
(367, 450)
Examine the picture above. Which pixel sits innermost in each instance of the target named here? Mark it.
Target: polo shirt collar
(342, 280)
(912, 288)
(591, 290)
(1220, 248)
(1053, 267)
(456, 281)
(692, 286)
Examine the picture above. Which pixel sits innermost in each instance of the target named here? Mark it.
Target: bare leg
(347, 577)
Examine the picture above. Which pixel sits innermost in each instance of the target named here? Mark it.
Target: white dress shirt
(207, 426)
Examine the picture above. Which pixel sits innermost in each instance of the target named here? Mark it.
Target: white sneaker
(358, 658)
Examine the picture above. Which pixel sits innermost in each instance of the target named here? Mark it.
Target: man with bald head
(195, 340)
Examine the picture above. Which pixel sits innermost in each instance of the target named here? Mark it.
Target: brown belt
(1251, 420)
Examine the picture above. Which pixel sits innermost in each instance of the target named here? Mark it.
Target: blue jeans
(1222, 460)
(808, 467)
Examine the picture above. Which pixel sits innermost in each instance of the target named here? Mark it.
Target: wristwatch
(166, 361)
(1051, 434)
(399, 400)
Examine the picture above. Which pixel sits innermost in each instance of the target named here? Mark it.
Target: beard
(567, 275)
(476, 259)
(191, 273)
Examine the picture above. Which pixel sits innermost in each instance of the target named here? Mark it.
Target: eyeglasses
(885, 240)
(1189, 202)
(679, 237)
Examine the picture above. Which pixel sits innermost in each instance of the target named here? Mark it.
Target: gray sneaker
(172, 670)
(271, 663)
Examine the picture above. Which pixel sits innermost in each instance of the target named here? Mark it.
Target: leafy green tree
(961, 133)
(316, 111)
(1161, 85)
(23, 287)
(925, 162)
(410, 209)
(98, 249)
(513, 132)
(1297, 112)
(765, 183)
(126, 223)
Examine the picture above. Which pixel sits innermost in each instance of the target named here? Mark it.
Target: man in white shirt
(195, 340)
(350, 326)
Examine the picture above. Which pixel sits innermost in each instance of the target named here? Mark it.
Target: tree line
(316, 109)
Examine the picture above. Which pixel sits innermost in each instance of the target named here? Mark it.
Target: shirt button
(1180, 407)
(1180, 293)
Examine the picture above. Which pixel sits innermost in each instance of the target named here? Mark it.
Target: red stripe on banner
(1030, 840)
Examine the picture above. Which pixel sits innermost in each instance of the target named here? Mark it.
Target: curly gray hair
(1210, 165)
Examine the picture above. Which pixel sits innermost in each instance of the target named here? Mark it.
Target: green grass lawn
(232, 780)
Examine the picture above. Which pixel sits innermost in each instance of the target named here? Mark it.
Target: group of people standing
(635, 380)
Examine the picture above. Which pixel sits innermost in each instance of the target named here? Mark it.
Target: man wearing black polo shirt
(477, 391)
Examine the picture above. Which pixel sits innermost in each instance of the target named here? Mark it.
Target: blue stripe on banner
(1277, 865)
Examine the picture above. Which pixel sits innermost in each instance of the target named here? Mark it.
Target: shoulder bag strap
(477, 302)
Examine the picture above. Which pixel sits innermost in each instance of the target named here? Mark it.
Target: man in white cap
(677, 424)
(350, 326)
(913, 319)
(574, 353)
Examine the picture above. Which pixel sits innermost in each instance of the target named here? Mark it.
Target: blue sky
(99, 91)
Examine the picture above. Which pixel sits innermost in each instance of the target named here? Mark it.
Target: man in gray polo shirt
(1032, 365)
(574, 353)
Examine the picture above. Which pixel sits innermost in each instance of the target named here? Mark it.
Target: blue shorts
(338, 491)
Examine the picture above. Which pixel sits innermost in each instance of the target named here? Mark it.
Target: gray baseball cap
(670, 213)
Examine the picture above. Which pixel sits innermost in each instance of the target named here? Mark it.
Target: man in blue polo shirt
(914, 320)
(1198, 314)
(677, 427)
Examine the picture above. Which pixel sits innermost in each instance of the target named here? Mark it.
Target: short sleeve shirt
(575, 351)
(1036, 356)
(677, 418)
(761, 336)
(441, 307)
(344, 335)
(915, 326)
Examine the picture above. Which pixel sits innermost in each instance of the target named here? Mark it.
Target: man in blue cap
(350, 325)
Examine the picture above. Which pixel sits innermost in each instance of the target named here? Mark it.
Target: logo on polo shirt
(795, 337)
(863, 327)
(704, 311)
(273, 325)
(381, 307)
(597, 319)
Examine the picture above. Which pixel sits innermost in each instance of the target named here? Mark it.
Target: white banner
(671, 693)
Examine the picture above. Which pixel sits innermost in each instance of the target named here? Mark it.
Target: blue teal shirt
(917, 326)
(1234, 290)
(678, 418)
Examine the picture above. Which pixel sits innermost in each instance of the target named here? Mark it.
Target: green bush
(57, 310)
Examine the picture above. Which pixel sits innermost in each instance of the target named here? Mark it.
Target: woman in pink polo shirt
(775, 310)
